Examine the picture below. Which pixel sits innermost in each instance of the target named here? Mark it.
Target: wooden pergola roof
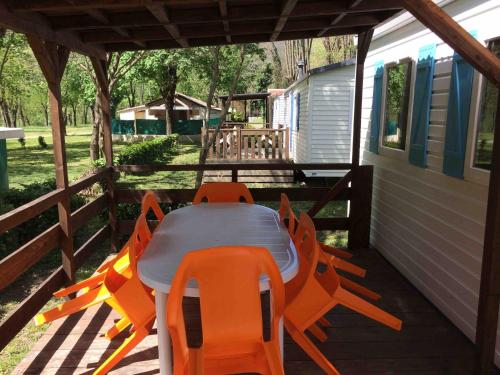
(95, 26)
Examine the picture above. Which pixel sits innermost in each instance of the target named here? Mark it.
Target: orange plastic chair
(286, 212)
(149, 202)
(231, 315)
(124, 292)
(223, 192)
(311, 294)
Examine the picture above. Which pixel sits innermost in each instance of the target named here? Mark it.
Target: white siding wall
(300, 139)
(331, 103)
(430, 226)
(279, 112)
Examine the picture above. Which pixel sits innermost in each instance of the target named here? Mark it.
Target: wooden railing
(248, 144)
(26, 256)
(354, 187)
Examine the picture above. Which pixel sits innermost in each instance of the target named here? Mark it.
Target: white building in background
(318, 110)
(427, 127)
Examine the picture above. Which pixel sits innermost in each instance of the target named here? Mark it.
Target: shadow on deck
(428, 344)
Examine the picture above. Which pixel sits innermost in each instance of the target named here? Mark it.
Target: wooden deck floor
(428, 344)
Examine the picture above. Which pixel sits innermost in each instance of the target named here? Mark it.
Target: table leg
(164, 353)
(280, 327)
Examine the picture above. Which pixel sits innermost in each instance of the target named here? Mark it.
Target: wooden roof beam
(160, 13)
(444, 26)
(225, 22)
(102, 17)
(286, 10)
(338, 18)
(33, 24)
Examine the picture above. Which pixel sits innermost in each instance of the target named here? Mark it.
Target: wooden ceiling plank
(160, 13)
(286, 10)
(225, 22)
(37, 25)
(352, 5)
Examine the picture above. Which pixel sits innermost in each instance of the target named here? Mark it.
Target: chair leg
(348, 267)
(117, 328)
(324, 322)
(335, 251)
(359, 305)
(313, 352)
(273, 357)
(129, 343)
(72, 306)
(358, 288)
(318, 332)
(91, 282)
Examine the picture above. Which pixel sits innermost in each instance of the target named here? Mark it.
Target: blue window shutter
(422, 98)
(298, 113)
(457, 120)
(376, 106)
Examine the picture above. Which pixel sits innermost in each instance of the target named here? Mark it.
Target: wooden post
(52, 60)
(489, 293)
(234, 175)
(101, 72)
(360, 207)
(364, 40)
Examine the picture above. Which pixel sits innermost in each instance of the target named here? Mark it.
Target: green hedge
(14, 198)
(157, 150)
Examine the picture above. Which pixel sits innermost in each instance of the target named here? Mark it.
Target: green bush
(13, 198)
(157, 150)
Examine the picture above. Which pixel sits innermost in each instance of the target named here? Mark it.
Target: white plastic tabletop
(214, 224)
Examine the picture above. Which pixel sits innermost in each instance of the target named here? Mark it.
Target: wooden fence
(248, 144)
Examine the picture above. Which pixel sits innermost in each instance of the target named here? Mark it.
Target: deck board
(428, 344)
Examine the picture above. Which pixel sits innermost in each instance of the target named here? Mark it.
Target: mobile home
(428, 120)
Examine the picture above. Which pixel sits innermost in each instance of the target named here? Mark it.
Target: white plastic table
(207, 225)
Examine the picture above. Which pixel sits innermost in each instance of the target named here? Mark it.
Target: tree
(339, 48)
(119, 63)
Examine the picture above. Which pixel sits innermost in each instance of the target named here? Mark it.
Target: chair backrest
(308, 251)
(285, 211)
(149, 202)
(223, 192)
(130, 254)
(228, 281)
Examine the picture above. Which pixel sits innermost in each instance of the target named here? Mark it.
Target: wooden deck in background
(428, 344)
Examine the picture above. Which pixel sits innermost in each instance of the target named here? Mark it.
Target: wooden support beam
(39, 27)
(160, 13)
(437, 20)
(101, 72)
(364, 40)
(225, 22)
(286, 10)
(52, 60)
(332, 194)
(360, 208)
(339, 17)
(489, 293)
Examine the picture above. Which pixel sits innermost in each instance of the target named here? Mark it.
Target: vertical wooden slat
(224, 144)
(217, 146)
(280, 144)
(239, 143)
(252, 146)
(287, 143)
(52, 60)
(259, 146)
(245, 146)
(273, 146)
(489, 292)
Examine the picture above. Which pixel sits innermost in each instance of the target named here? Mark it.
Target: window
(397, 94)
(486, 123)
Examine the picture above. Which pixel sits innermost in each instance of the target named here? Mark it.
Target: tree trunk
(85, 113)
(96, 124)
(6, 114)
(209, 142)
(167, 89)
(73, 109)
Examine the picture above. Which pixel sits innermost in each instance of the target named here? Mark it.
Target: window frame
(471, 172)
(383, 149)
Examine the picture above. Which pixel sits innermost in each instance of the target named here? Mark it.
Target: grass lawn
(32, 163)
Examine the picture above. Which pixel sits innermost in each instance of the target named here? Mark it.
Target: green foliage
(41, 142)
(22, 142)
(237, 116)
(157, 150)
(13, 198)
